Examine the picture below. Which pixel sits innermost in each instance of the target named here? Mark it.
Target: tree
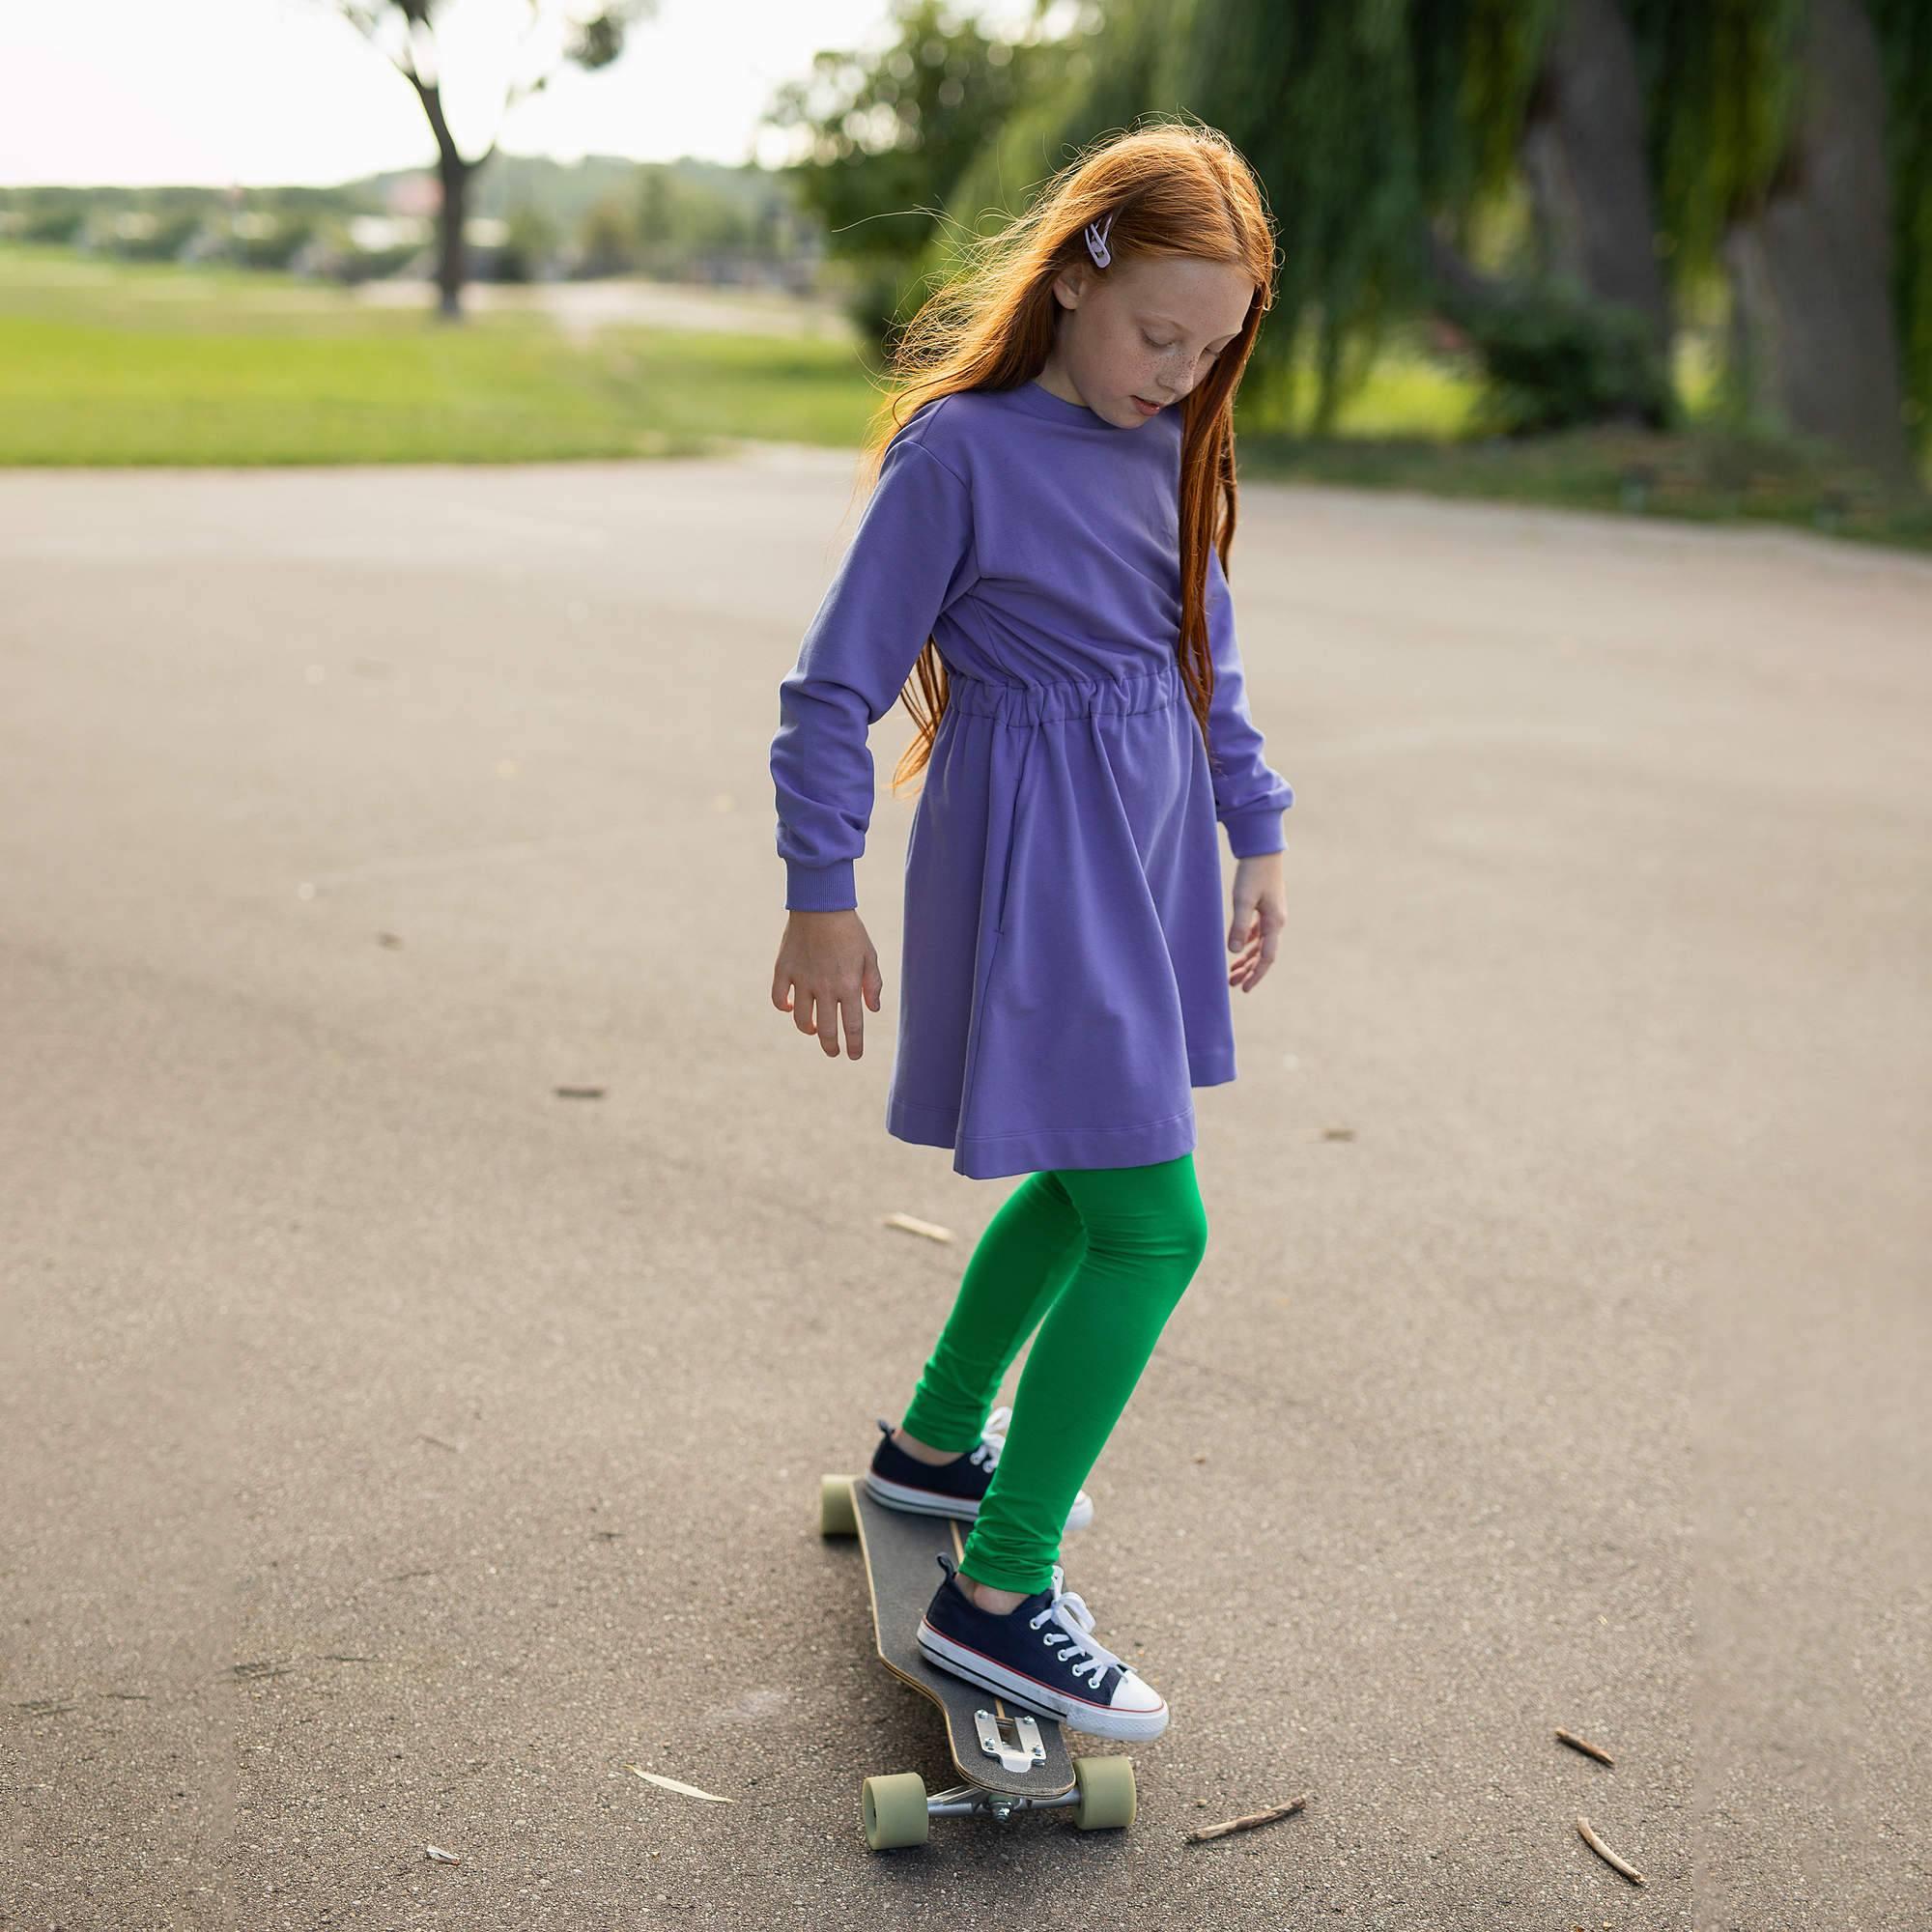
(1811, 260)
(1583, 153)
(1792, 144)
(558, 33)
(887, 136)
(1663, 147)
(1381, 130)
(1545, 95)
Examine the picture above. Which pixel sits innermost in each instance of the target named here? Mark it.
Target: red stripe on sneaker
(1012, 1670)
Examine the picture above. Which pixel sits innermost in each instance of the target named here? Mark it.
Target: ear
(1069, 286)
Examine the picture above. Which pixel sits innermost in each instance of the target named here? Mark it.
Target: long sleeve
(912, 555)
(1249, 794)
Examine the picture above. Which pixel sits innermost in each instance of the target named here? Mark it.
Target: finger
(782, 992)
(801, 1007)
(826, 1023)
(874, 982)
(1260, 956)
(852, 1012)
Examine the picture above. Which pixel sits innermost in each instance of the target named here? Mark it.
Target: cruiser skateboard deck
(1012, 1757)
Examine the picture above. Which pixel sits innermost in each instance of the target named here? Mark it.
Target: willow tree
(1792, 145)
(1655, 144)
(1905, 46)
(1385, 132)
(1582, 152)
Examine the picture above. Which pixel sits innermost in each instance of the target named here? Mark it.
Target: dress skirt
(1064, 983)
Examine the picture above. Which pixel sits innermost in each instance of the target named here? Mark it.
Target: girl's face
(1142, 333)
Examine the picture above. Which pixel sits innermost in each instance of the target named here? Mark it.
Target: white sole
(1076, 1714)
(934, 1502)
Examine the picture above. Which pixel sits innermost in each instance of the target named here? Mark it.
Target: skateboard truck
(1030, 1750)
(963, 1801)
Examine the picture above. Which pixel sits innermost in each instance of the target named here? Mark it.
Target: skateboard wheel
(837, 1516)
(893, 1811)
(1106, 1788)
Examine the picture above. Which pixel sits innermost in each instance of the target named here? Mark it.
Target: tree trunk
(1584, 155)
(1811, 264)
(450, 267)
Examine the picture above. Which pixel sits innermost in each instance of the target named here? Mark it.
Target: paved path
(582, 308)
(397, 1450)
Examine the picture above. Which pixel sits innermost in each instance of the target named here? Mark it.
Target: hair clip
(1097, 241)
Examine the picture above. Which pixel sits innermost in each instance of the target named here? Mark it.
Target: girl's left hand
(1260, 911)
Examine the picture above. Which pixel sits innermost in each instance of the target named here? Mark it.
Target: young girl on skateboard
(1042, 563)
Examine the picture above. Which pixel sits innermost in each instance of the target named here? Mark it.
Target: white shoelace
(994, 1437)
(1069, 1614)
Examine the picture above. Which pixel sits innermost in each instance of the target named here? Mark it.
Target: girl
(1045, 549)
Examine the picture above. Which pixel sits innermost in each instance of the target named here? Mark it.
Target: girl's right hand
(826, 967)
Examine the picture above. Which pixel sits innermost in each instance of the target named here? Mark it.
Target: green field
(113, 363)
(117, 364)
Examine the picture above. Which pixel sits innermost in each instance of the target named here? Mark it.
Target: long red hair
(1172, 188)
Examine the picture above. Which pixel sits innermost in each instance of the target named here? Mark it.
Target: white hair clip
(1097, 241)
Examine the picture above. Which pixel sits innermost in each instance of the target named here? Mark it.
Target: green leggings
(1095, 1258)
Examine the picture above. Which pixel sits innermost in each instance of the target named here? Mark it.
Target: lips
(1153, 409)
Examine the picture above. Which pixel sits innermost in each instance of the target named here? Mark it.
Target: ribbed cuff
(1252, 833)
(820, 888)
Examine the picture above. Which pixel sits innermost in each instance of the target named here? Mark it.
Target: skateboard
(1012, 1758)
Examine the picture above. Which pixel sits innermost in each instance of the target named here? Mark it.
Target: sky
(264, 93)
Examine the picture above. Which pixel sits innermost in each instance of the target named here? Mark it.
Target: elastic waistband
(1061, 697)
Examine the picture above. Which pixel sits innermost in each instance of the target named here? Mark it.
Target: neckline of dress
(1042, 402)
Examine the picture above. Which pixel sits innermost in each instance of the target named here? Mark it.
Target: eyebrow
(1182, 325)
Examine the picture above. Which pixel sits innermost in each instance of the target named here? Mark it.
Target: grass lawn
(121, 363)
(1704, 475)
(116, 364)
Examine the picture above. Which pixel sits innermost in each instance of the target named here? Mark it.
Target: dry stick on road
(1604, 1851)
(1248, 1823)
(913, 1225)
(1584, 1744)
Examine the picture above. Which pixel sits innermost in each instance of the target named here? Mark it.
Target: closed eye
(1210, 353)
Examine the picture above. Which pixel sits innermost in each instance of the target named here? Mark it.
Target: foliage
(1722, 80)
(1322, 102)
(1701, 475)
(1374, 126)
(887, 137)
(1362, 121)
(1905, 45)
(1722, 83)
(1555, 360)
(1476, 64)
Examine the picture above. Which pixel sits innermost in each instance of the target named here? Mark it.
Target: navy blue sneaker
(949, 1489)
(1040, 1654)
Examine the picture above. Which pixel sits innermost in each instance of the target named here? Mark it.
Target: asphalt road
(397, 1449)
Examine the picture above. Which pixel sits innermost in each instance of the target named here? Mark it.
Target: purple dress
(1064, 975)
